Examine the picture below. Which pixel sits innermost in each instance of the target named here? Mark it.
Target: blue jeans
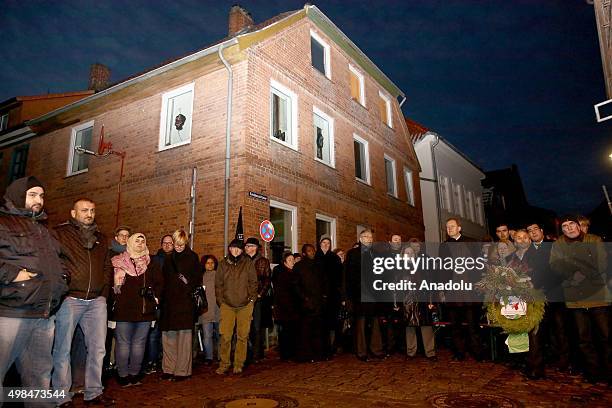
(91, 316)
(153, 355)
(27, 343)
(131, 340)
(211, 336)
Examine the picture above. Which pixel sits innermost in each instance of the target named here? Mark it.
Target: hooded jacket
(25, 243)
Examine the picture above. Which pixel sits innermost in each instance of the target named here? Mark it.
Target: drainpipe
(228, 127)
(437, 184)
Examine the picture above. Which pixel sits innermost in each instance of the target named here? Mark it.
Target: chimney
(239, 19)
(99, 77)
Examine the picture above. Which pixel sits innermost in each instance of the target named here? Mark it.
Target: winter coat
(178, 305)
(236, 282)
(312, 287)
(90, 276)
(361, 293)
(25, 243)
(286, 296)
(129, 305)
(541, 274)
(588, 257)
(213, 312)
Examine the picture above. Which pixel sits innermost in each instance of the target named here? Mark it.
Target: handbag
(200, 301)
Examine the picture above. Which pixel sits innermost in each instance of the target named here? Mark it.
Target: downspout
(437, 183)
(228, 127)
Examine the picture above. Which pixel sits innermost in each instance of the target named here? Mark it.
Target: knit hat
(16, 192)
(236, 243)
(569, 217)
(252, 241)
(325, 237)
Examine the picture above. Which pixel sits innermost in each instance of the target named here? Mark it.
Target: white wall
(459, 172)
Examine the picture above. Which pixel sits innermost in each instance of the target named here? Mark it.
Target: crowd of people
(69, 289)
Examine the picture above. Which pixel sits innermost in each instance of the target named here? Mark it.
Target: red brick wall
(155, 188)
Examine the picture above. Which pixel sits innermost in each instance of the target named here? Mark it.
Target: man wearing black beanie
(32, 282)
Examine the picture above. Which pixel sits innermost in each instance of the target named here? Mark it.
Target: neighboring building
(450, 186)
(316, 132)
(506, 202)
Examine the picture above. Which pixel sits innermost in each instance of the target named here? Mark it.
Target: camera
(147, 292)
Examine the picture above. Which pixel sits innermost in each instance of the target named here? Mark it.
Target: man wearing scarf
(32, 282)
(85, 249)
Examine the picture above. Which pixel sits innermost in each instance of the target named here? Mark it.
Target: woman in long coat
(182, 275)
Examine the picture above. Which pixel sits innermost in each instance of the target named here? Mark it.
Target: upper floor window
(479, 214)
(384, 107)
(320, 54)
(357, 85)
(409, 186)
(78, 160)
(283, 115)
(469, 203)
(362, 159)
(323, 137)
(391, 176)
(445, 192)
(176, 115)
(19, 161)
(4, 121)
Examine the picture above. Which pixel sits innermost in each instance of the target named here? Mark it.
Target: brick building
(318, 142)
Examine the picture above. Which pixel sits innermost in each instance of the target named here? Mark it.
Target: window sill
(76, 173)
(321, 73)
(358, 102)
(161, 149)
(363, 181)
(280, 142)
(393, 196)
(331, 166)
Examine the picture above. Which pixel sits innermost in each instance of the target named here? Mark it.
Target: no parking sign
(266, 230)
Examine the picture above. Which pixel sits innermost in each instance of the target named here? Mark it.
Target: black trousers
(287, 339)
(593, 327)
(464, 320)
(361, 343)
(310, 341)
(551, 335)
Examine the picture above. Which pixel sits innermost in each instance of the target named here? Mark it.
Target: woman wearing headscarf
(137, 284)
(182, 275)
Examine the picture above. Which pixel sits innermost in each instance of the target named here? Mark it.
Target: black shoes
(101, 401)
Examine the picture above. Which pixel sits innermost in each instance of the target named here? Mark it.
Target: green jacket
(583, 264)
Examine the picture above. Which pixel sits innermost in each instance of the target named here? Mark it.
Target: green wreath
(524, 324)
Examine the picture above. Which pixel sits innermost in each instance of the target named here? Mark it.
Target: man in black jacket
(85, 305)
(32, 282)
(462, 310)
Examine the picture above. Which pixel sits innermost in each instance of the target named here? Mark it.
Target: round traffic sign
(266, 230)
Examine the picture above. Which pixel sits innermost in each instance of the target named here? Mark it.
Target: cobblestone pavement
(348, 382)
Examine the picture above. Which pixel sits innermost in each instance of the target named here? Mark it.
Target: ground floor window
(326, 226)
(284, 218)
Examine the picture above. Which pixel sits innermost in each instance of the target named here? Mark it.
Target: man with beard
(236, 292)
(365, 310)
(33, 278)
(552, 328)
(85, 305)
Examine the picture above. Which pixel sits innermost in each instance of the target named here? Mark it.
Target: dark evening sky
(504, 81)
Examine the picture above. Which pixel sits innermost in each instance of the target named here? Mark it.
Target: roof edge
(175, 64)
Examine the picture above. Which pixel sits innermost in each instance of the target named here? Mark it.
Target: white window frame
(330, 123)
(409, 186)
(72, 150)
(394, 167)
(387, 100)
(332, 221)
(278, 87)
(470, 205)
(4, 119)
(164, 114)
(294, 227)
(361, 79)
(366, 152)
(326, 56)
